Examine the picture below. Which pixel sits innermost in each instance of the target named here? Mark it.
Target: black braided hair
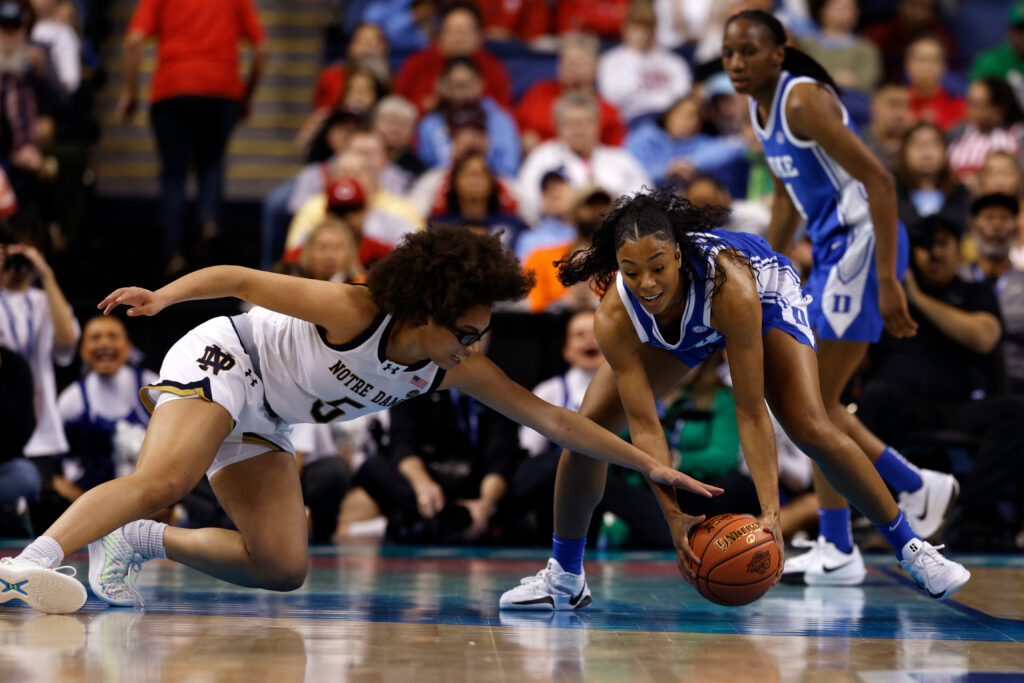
(662, 213)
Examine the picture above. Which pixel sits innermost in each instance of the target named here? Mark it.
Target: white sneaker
(824, 565)
(926, 508)
(43, 588)
(552, 588)
(938, 576)
(114, 568)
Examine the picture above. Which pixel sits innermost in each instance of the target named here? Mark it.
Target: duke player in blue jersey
(826, 177)
(311, 351)
(684, 288)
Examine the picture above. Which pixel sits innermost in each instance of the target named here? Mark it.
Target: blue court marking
(632, 592)
(1003, 625)
(785, 611)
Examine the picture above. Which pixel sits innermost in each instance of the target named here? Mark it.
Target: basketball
(738, 559)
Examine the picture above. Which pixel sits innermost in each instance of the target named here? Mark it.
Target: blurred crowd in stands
(527, 119)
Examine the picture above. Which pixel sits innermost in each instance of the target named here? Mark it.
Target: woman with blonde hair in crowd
(330, 253)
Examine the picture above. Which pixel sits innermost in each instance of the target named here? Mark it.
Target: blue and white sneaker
(937, 575)
(44, 588)
(552, 588)
(114, 568)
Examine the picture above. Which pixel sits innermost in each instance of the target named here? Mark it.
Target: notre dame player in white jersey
(312, 351)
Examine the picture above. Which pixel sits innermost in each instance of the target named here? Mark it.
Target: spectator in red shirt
(367, 41)
(913, 17)
(367, 51)
(929, 101)
(522, 20)
(603, 17)
(460, 35)
(196, 98)
(577, 69)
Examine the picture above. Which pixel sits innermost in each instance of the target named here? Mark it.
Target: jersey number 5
(318, 414)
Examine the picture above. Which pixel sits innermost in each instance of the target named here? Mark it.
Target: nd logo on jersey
(782, 167)
(215, 359)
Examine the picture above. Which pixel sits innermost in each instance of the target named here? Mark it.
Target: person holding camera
(38, 324)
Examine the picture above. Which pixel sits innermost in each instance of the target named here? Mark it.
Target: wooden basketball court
(430, 614)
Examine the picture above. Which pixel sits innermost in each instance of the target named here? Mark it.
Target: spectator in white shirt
(577, 155)
(39, 325)
(583, 355)
(61, 42)
(640, 77)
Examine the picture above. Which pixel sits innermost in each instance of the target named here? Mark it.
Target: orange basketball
(738, 559)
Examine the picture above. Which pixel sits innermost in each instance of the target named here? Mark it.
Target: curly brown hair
(440, 273)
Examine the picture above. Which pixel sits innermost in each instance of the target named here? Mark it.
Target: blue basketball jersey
(826, 195)
(783, 304)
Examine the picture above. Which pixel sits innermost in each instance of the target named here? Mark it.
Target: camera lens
(17, 263)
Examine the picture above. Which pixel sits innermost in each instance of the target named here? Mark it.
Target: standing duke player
(827, 177)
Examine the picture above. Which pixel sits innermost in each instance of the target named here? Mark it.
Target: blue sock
(834, 525)
(897, 471)
(898, 533)
(569, 554)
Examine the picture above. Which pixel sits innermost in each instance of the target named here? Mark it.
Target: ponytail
(799, 63)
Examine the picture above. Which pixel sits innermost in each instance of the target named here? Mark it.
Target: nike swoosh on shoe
(829, 570)
(537, 601)
(573, 601)
(921, 517)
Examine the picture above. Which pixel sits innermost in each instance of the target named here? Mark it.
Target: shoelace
(931, 558)
(131, 575)
(539, 576)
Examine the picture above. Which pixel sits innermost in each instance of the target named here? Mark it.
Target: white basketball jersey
(308, 379)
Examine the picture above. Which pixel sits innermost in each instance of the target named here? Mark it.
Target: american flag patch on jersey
(418, 382)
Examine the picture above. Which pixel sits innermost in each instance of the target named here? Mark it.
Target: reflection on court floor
(431, 614)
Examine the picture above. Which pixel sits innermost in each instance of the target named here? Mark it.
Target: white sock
(46, 549)
(146, 537)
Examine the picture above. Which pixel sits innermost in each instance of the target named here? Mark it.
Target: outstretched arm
(479, 377)
(334, 306)
(737, 315)
(814, 114)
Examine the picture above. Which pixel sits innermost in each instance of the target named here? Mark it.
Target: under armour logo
(390, 367)
(252, 380)
(216, 359)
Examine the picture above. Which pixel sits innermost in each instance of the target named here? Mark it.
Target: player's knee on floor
(284, 574)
